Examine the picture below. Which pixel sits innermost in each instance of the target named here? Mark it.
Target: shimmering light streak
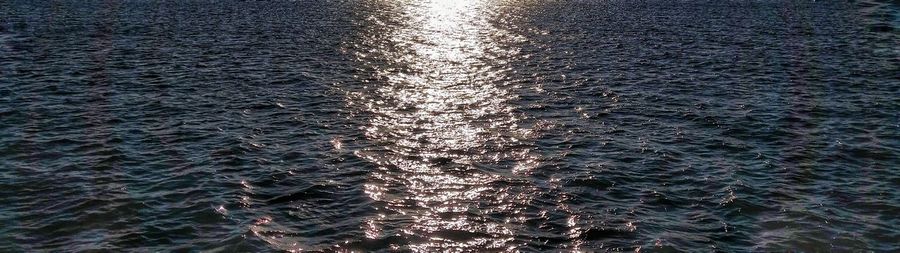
(442, 112)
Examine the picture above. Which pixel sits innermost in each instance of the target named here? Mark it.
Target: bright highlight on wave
(442, 120)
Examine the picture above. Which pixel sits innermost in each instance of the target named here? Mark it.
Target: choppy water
(449, 125)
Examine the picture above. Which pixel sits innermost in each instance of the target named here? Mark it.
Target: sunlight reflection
(443, 121)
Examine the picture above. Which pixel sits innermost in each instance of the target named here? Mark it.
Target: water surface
(422, 126)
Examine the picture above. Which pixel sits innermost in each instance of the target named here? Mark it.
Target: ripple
(494, 125)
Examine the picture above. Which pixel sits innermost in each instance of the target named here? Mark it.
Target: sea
(449, 126)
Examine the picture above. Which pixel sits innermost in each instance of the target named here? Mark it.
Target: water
(449, 126)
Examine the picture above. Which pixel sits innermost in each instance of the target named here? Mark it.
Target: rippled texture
(442, 125)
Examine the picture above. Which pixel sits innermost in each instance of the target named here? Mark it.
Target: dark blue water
(452, 126)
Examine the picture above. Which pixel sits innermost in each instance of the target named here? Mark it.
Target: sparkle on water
(448, 126)
(444, 108)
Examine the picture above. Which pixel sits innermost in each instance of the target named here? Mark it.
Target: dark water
(449, 126)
